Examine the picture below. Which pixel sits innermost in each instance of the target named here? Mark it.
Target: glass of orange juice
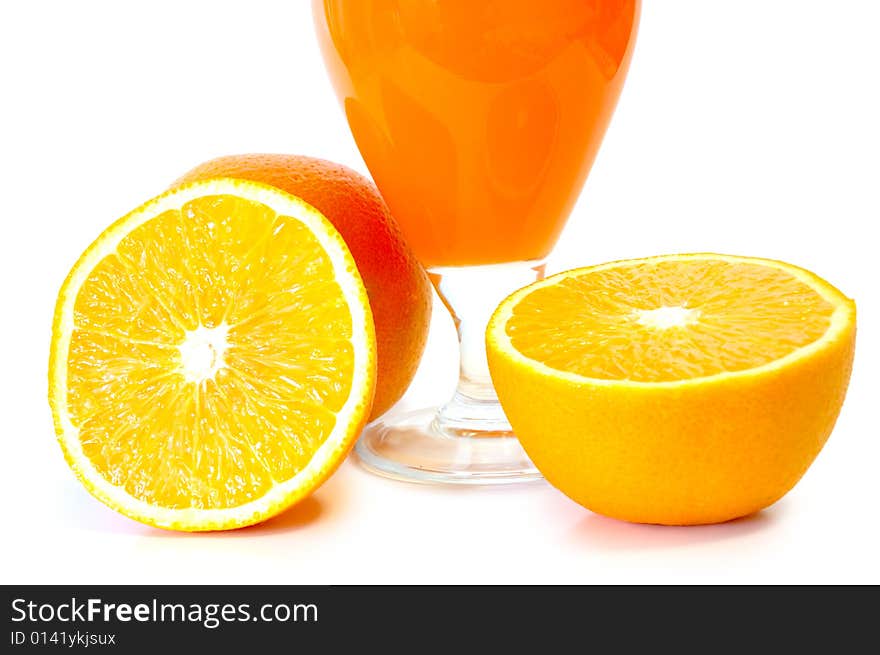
(479, 121)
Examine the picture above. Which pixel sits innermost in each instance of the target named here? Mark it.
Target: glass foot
(468, 440)
(420, 446)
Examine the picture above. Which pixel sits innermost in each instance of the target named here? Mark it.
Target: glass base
(468, 440)
(420, 446)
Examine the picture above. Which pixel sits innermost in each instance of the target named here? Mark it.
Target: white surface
(747, 127)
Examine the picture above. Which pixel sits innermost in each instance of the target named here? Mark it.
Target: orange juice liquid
(478, 119)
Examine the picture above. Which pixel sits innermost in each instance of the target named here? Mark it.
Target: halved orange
(213, 357)
(679, 389)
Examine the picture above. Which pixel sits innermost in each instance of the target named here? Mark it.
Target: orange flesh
(209, 355)
(715, 316)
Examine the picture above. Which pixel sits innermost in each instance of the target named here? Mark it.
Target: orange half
(213, 357)
(678, 389)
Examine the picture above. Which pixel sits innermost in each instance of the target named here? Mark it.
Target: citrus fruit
(681, 389)
(399, 291)
(213, 357)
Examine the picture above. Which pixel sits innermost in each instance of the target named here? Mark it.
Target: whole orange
(397, 286)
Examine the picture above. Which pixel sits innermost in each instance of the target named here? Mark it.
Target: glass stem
(471, 294)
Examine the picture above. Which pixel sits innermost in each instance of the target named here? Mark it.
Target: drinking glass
(479, 121)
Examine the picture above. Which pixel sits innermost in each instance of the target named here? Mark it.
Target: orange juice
(478, 119)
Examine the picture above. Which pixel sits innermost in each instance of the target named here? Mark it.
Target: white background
(747, 127)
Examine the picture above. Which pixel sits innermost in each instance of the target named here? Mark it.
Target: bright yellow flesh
(656, 321)
(209, 355)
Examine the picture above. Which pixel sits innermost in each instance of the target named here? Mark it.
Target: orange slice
(678, 389)
(213, 357)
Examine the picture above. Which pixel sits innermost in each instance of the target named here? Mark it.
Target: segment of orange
(213, 357)
(399, 291)
(681, 389)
